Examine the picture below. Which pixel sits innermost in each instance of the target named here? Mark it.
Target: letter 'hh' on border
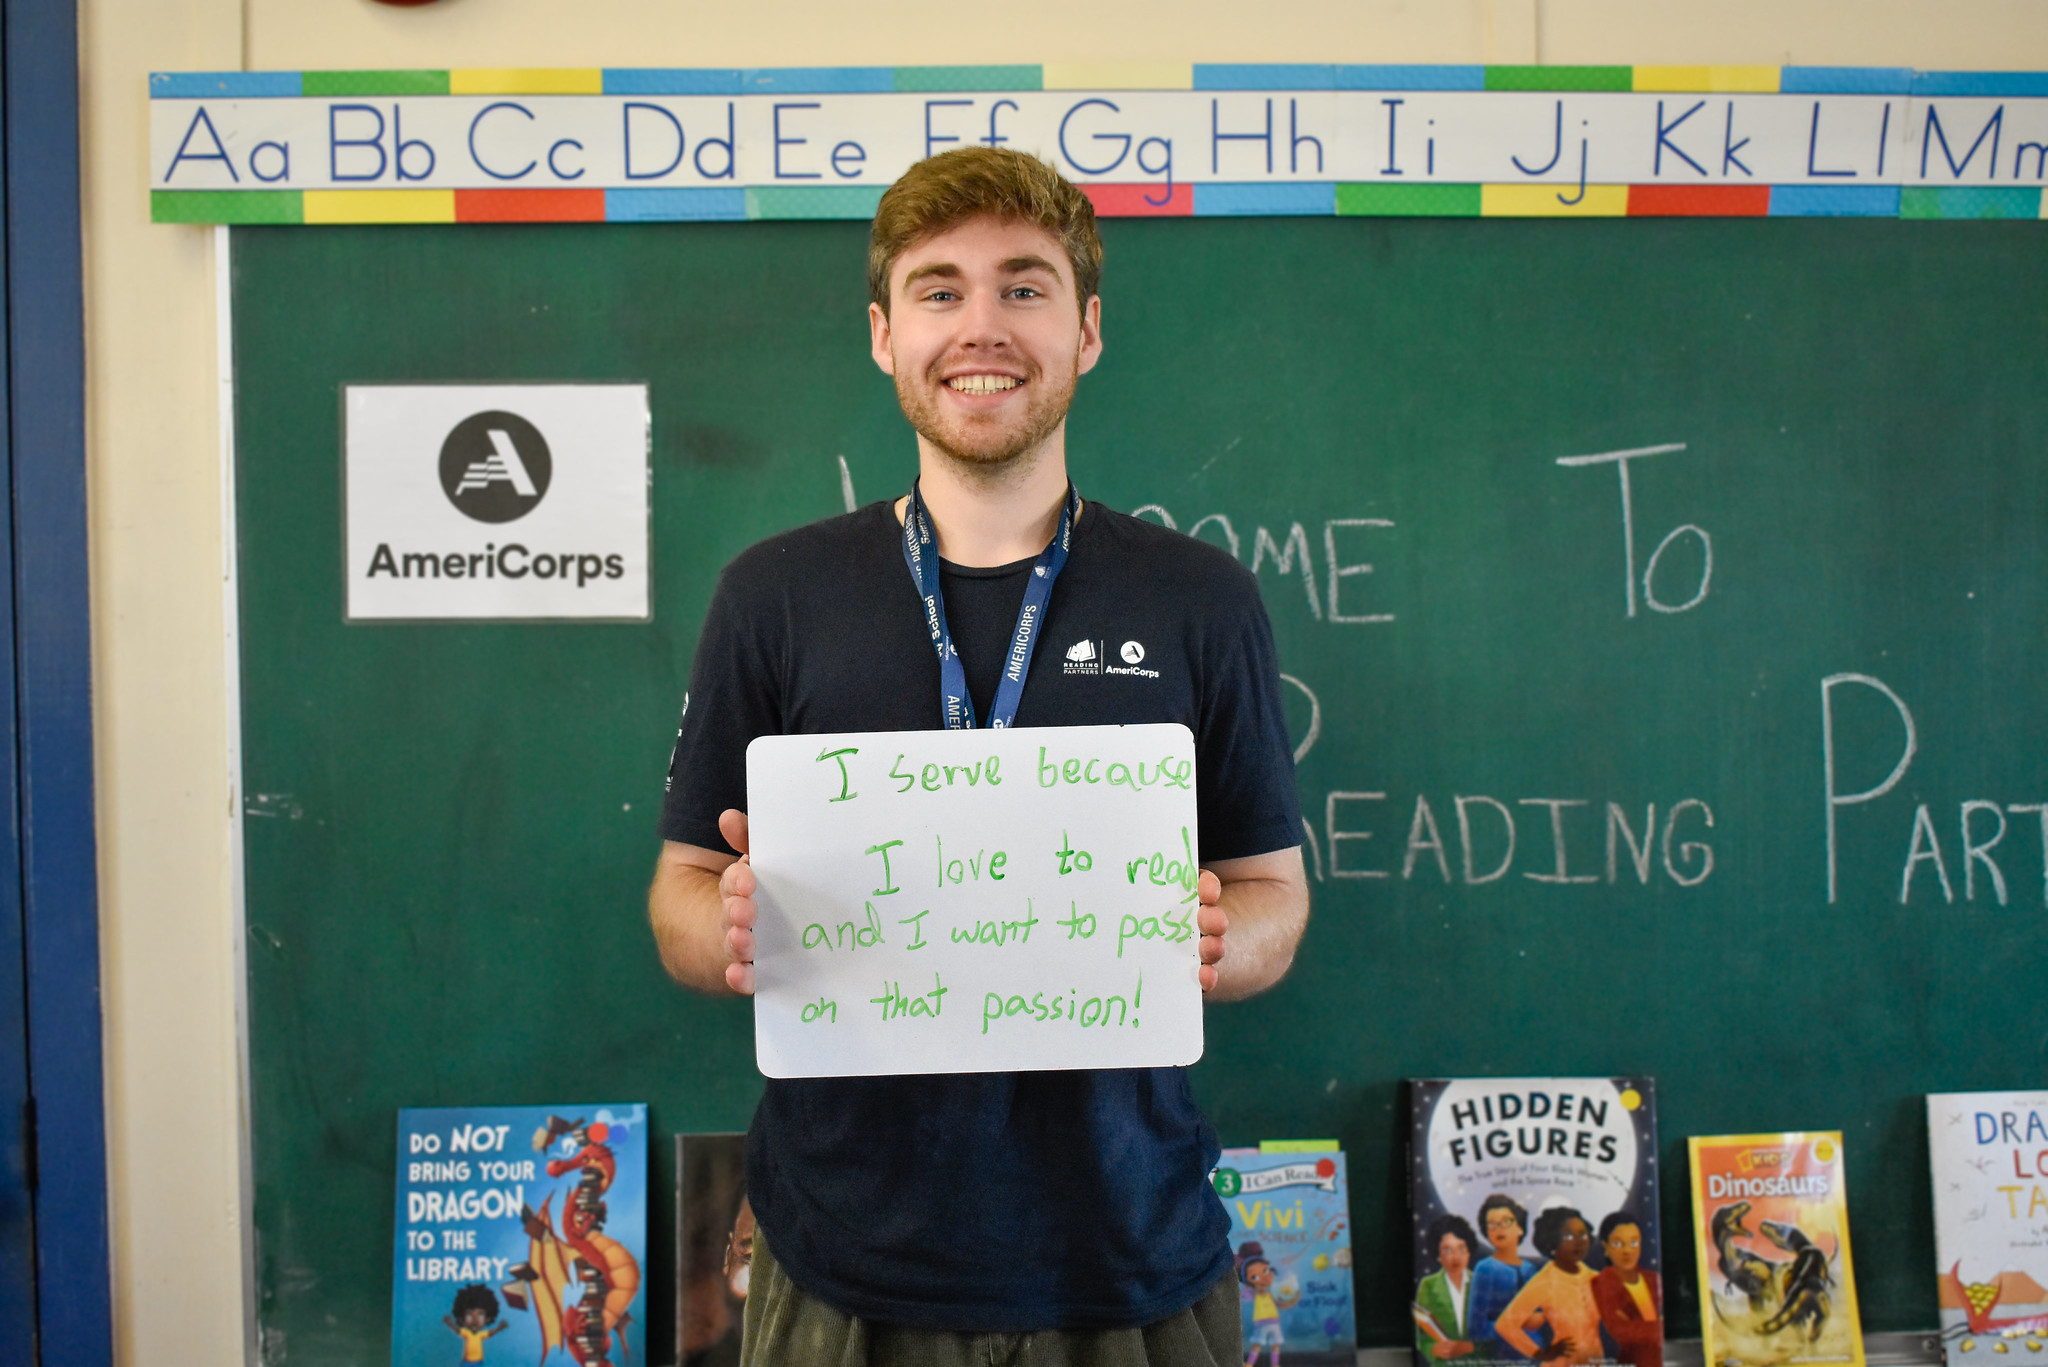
(1827, 732)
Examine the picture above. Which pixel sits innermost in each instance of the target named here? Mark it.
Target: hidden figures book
(1534, 1203)
(521, 1231)
(1771, 1228)
(1290, 1229)
(1989, 1152)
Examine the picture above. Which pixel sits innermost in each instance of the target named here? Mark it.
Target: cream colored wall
(164, 787)
(154, 511)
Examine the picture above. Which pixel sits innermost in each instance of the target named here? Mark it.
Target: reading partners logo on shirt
(1090, 657)
(495, 467)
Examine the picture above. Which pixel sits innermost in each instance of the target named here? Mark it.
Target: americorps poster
(496, 501)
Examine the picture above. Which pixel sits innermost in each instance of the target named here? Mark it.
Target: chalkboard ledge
(1879, 1350)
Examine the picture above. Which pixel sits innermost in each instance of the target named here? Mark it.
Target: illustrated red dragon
(1978, 1298)
(579, 1252)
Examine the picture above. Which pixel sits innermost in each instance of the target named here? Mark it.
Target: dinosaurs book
(1290, 1232)
(1771, 1227)
(521, 1234)
(1535, 1230)
(1989, 1151)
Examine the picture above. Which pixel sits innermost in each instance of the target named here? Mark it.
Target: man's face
(985, 339)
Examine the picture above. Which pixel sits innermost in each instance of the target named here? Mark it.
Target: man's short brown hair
(942, 192)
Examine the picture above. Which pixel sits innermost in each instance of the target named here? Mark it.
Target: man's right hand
(701, 906)
(736, 895)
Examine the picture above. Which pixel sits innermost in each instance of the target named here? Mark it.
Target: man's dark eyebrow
(944, 269)
(1017, 265)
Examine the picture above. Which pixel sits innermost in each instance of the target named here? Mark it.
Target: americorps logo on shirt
(497, 501)
(1093, 657)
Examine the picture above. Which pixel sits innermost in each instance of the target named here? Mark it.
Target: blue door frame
(52, 802)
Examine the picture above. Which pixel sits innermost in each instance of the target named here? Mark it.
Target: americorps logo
(496, 501)
(496, 466)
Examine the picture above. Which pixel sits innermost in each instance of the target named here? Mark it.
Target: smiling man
(1030, 1218)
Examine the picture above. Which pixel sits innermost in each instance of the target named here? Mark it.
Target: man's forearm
(687, 913)
(1268, 911)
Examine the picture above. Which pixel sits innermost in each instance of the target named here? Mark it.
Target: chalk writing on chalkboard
(1619, 460)
(1974, 866)
(970, 901)
(1341, 544)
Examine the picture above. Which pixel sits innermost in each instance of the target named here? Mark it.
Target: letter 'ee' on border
(605, 145)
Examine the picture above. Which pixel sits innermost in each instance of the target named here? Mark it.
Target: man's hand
(701, 906)
(736, 896)
(1261, 903)
(1214, 923)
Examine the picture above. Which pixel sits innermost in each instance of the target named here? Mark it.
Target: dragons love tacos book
(1771, 1226)
(521, 1231)
(1989, 1152)
(1534, 1203)
(1290, 1229)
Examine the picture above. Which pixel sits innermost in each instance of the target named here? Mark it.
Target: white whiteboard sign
(975, 901)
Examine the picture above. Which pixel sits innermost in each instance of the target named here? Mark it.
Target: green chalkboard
(449, 827)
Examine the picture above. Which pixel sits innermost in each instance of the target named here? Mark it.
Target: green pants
(788, 1327)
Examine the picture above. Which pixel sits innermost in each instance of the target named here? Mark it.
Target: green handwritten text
(1068, 1007)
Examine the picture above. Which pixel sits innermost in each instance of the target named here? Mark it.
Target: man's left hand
(1262, 902)
(1213, 921)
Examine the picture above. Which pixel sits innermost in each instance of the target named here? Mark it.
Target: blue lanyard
(921, 553)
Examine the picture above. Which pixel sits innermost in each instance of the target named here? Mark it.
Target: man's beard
(991, 449)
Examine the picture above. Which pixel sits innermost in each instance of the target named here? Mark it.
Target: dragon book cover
(1989, 1152)
(1290, 1229)
(521, 1233)
(1771, 1226)
(1534, 1205)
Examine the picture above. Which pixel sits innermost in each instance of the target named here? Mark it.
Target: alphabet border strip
(1494, 116)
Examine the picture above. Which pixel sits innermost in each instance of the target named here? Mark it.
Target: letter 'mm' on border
(1930, 134)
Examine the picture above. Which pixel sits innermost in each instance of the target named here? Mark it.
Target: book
(1290, 1232)
(521, 1230)
(1771, 1228)
(1534, 1210)
(1989, 1153)
(714, 1248)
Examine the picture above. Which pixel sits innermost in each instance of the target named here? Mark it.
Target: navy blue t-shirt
(997, 1202)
